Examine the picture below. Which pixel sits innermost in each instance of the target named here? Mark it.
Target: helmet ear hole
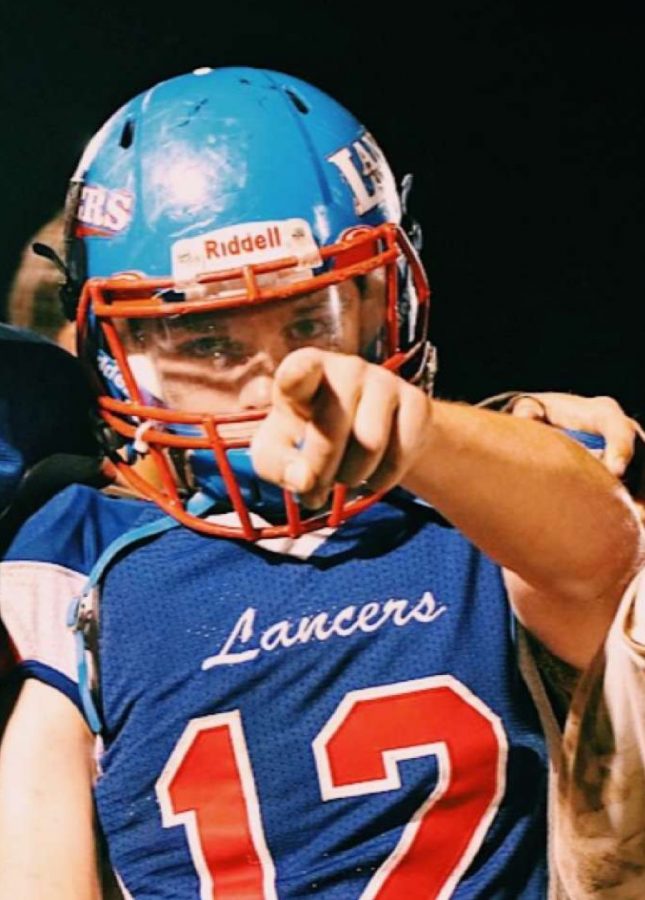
(297, 101)
(127, 135)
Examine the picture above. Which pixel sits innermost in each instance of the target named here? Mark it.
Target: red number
(223, 825)
(357, 752)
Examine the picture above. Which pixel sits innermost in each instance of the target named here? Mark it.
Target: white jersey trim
(34, 599)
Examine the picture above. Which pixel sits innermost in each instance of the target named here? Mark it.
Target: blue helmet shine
(212, 193)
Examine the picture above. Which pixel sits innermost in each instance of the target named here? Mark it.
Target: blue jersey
(341, 716)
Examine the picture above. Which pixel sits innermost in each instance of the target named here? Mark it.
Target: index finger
(275, 449)
(297, 380)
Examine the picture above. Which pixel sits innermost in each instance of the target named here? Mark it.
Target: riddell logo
(237, 245)
(245, 244)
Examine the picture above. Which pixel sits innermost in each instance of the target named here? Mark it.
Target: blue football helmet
(214, 223)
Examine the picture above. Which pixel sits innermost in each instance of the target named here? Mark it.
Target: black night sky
(524, 127)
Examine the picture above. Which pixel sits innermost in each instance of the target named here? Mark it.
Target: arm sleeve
(600, 821)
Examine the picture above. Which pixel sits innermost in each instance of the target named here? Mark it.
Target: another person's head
(34, 301)
(46, 416)
(214, 224)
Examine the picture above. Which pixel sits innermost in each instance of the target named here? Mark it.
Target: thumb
(616, 461)
(528, 407)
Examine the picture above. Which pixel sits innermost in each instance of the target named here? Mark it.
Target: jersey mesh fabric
(190, 628)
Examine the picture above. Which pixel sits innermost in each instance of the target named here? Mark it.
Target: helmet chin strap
(82, 611)
(260, 496)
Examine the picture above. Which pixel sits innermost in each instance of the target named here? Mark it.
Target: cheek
(190, 387)
(201, 399)
(352, 337)
(372, 318)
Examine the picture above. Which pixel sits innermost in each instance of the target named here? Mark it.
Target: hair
(34, 301)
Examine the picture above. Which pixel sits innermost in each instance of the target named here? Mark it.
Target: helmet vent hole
(127, 135)
(244, 81)
(297, 101)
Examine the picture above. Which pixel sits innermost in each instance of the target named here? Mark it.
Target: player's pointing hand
(336, 418)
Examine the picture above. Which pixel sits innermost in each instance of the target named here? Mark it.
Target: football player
(285, 674)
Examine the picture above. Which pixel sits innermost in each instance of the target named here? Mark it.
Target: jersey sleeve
(45, 568)
(600, 823)
(34, 600)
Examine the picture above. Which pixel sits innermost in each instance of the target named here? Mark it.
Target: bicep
(571, 630)
(46, 810)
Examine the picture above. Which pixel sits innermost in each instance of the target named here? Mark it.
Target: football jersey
(338, 716)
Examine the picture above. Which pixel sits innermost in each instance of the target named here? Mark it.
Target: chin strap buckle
(81, 620)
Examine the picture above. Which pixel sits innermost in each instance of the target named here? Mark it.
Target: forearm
(530, 498)
(46, 814)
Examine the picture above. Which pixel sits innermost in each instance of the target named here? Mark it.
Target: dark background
(524, 127)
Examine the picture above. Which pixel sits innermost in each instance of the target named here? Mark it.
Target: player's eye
(311, 329)
(220, 352)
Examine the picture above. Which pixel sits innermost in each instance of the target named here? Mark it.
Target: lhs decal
(102, 212)
(362, 165)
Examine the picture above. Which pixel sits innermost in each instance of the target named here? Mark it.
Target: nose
(256, 391)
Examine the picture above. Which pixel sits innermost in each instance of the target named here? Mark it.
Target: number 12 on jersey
(357, 752)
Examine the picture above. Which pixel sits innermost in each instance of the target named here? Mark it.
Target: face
(224, 362)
